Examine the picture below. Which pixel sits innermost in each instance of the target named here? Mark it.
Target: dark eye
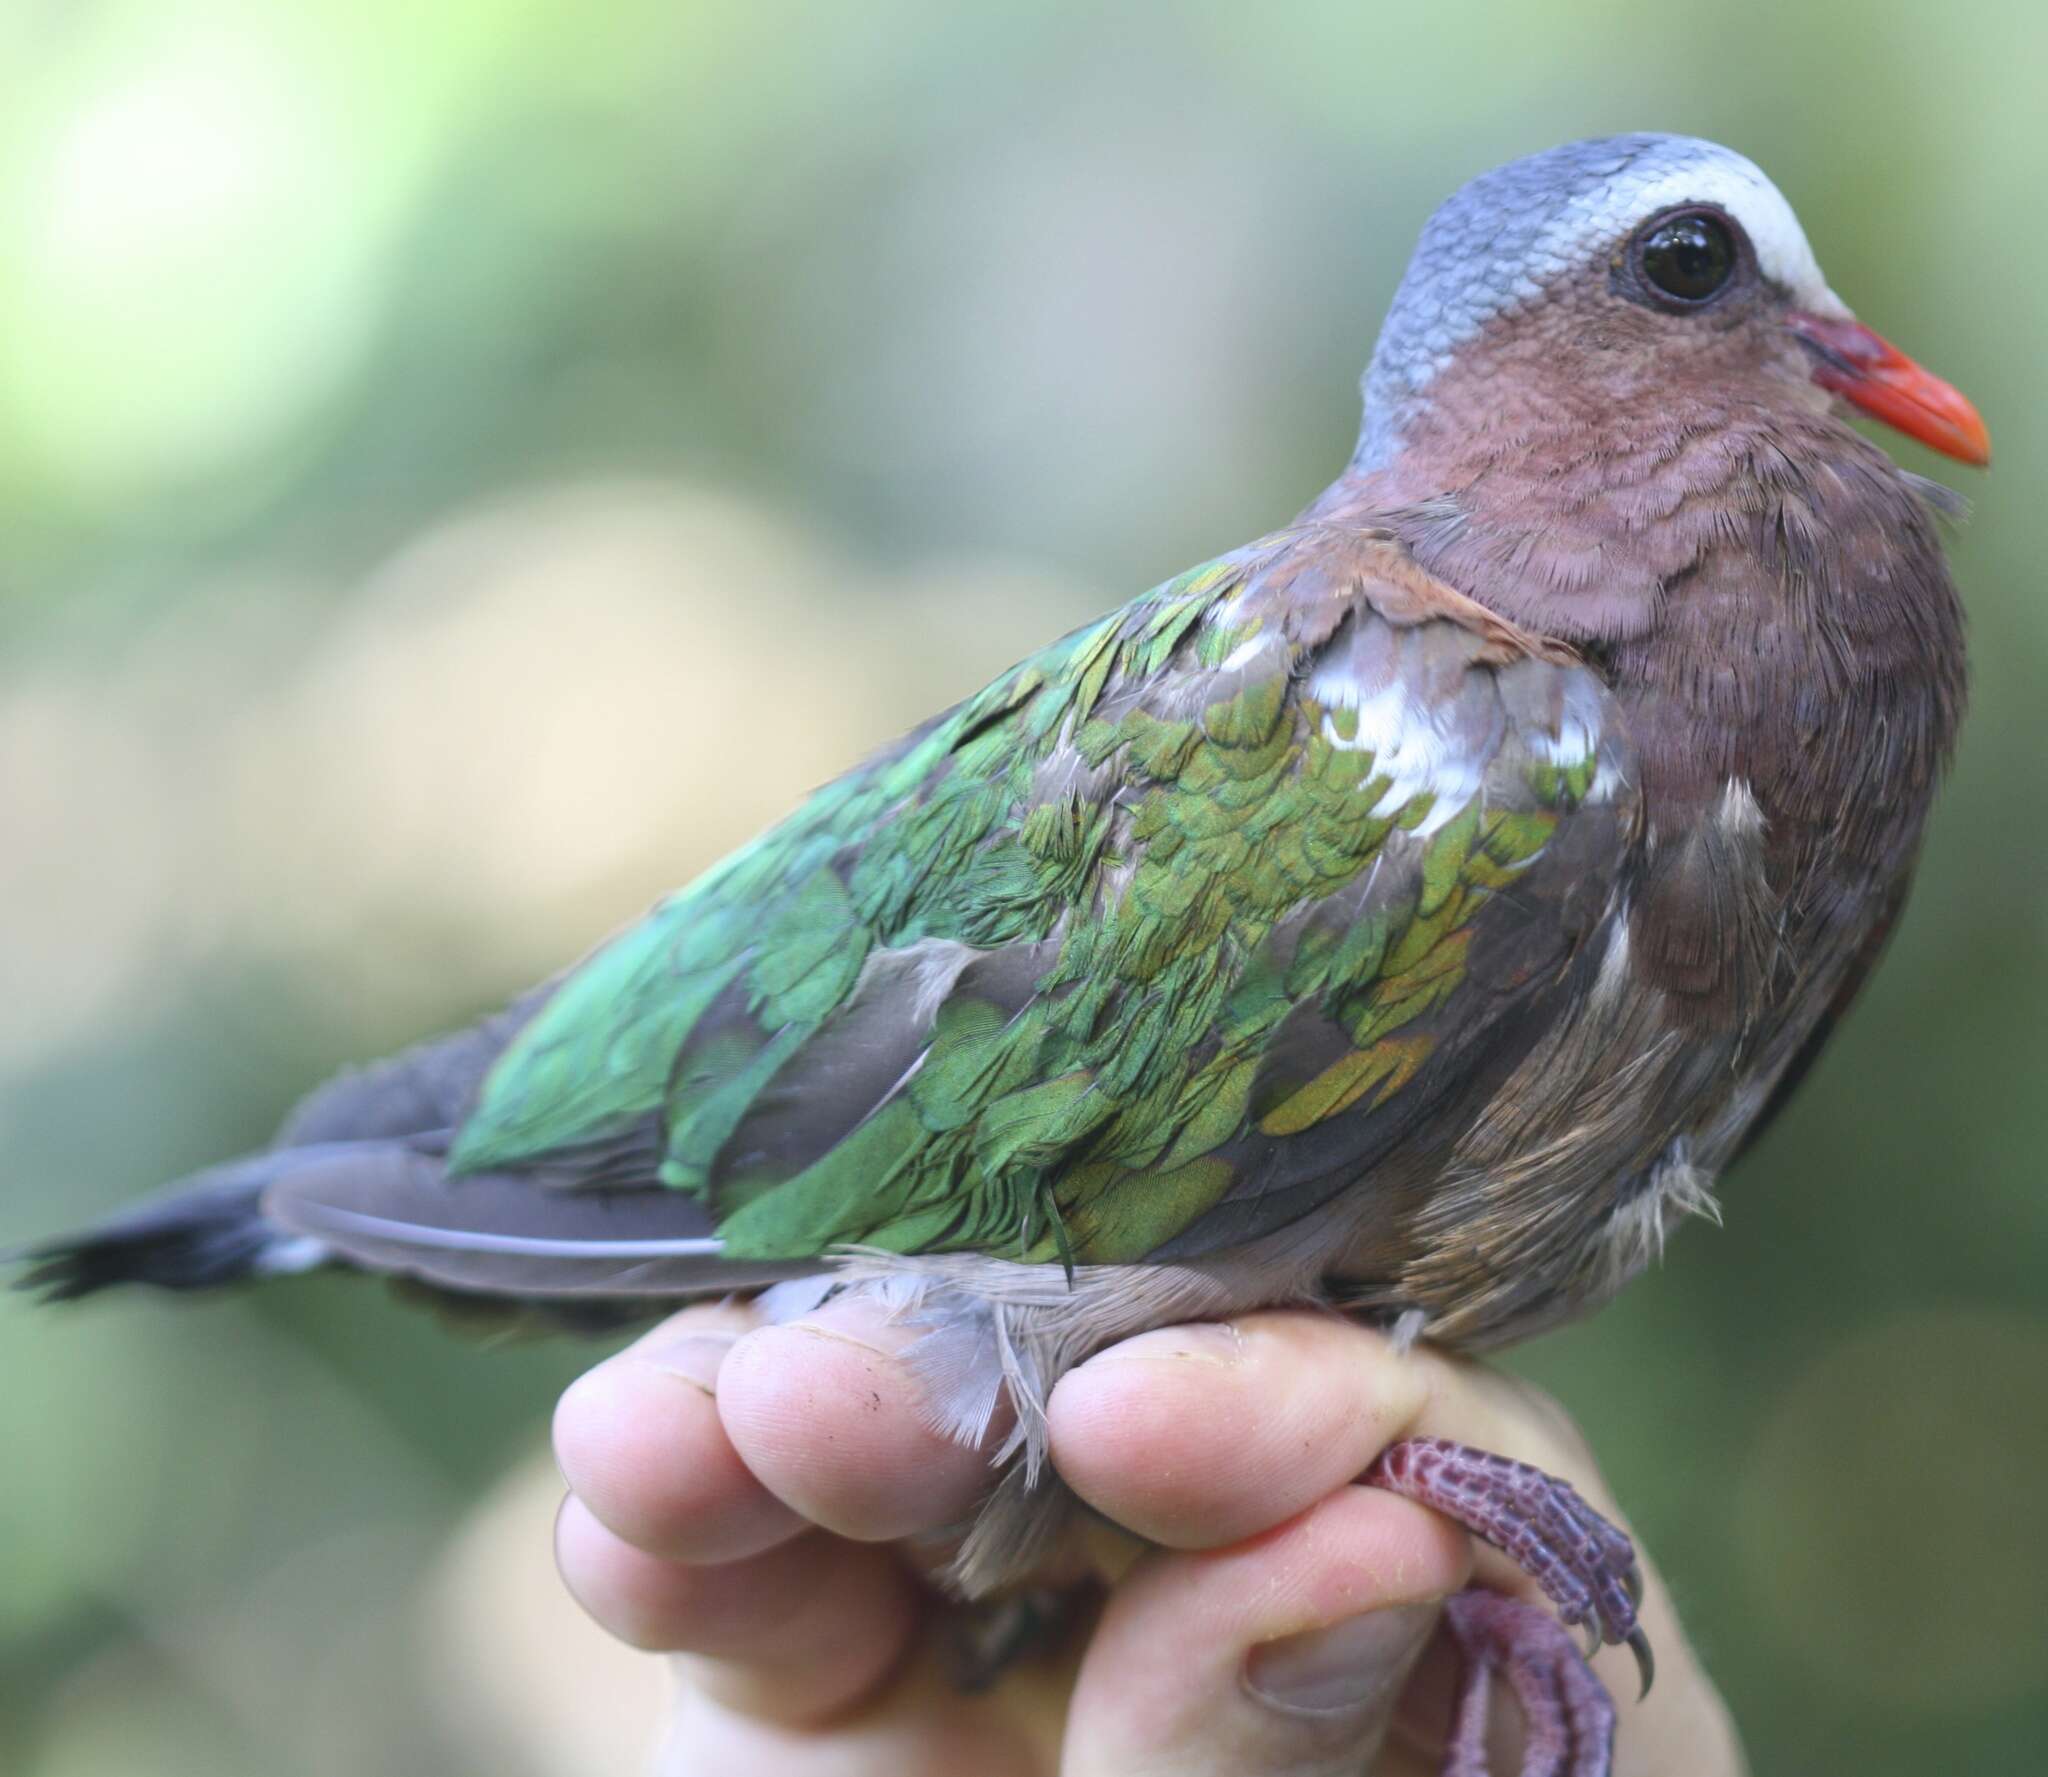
(1687, 258)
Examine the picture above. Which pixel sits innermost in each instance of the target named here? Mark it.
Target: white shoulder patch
(1423, 752)
(1578, 727)
(1406, 744)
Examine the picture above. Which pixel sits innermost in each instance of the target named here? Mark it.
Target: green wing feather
(1043, 979)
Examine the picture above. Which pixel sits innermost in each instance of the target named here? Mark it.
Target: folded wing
(1204, 913)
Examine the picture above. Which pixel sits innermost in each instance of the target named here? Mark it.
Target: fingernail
(1351, 1667)
(695, 1357)
(1202, 1342)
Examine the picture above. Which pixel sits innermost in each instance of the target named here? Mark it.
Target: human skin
(741, 1496)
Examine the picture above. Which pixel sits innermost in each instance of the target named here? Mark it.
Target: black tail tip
(84, 1264)
(193, 1239)
(63, 1270)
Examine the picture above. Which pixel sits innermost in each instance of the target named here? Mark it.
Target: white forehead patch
(1597, 217)
(1498, 242)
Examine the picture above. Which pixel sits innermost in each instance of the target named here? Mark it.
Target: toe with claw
(1585, 1566)
(1567, 1715)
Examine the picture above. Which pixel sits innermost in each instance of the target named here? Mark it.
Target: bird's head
(1610, 282)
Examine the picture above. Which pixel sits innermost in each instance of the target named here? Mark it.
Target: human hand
(741, 1495)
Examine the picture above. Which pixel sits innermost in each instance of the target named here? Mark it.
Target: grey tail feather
(390, 1207)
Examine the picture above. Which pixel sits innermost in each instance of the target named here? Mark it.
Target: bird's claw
(1646, 1661)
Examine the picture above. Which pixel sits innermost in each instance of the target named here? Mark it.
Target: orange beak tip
(1874, 376)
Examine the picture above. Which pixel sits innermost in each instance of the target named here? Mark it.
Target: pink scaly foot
(1585, 1566)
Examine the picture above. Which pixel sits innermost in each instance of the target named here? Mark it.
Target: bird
(1412, 913)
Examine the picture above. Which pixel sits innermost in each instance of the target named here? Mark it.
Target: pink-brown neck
(1763, 587)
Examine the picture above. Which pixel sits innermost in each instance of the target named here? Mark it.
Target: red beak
(1871, 373)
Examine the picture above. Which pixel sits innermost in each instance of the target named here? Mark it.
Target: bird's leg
(1585, 1566)
(983, 1638)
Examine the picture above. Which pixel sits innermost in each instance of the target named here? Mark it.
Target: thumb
(1284, 1654)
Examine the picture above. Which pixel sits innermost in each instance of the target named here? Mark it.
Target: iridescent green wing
(689, 1008)
(1155, 940)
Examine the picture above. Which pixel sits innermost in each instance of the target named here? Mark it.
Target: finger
(834, 1423)
(1282, 1654)
(1200, 1435)
(639, 1440)
(790, 1635)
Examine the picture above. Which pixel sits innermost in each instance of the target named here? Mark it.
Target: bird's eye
(1687, 259)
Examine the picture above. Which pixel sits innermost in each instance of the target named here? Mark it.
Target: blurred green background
(464, 467)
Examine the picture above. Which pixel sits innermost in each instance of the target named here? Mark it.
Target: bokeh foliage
(464, 467)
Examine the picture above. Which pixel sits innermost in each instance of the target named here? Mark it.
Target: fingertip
(1198, 1436)
(639, 1440)
(835, 1424)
